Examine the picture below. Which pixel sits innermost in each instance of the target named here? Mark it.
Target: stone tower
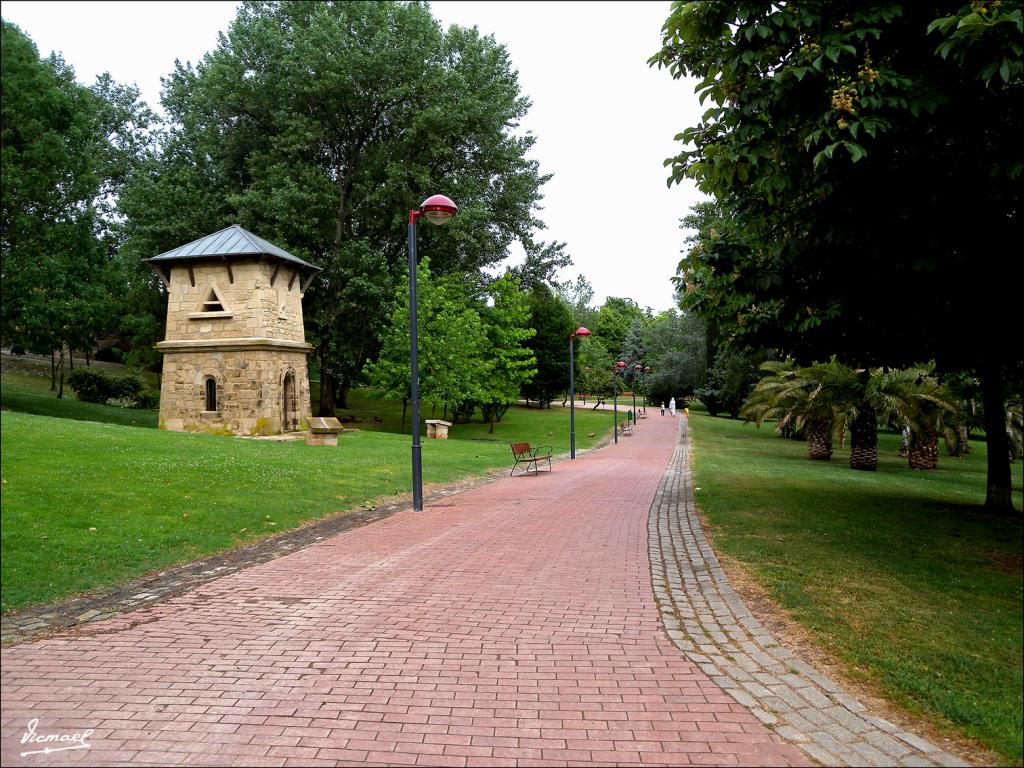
(235, 351)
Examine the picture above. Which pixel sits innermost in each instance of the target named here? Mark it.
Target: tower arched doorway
(289, 403)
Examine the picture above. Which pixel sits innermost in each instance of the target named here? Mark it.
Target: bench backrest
(518, 449)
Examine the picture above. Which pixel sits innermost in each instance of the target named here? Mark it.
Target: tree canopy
(66, 151)
(865, 161)
(320, 125)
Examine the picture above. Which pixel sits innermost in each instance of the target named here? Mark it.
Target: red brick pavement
(513, 624)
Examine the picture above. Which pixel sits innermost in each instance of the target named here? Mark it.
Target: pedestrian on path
(672, 407)
(662, 407)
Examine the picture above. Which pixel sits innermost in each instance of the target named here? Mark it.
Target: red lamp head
(638, 367)
(438, 209)
(581, 331)
(620, 365)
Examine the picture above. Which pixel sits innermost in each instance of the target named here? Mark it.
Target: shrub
(90, 385)
(147, 399)
(126, 387)
(95, 386)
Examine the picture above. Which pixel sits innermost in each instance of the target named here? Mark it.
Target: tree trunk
(341, 393)
(326, 407)
(864, 440)
(87, 361)
(819, 440)
(405, 404)
(998, 492)
(957, 447)
(904, 442)
(53, 371)
(923, 451)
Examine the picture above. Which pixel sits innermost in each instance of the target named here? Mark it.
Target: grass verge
(87, 505)
(899, 574)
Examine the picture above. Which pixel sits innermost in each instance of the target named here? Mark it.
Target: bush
(147, 399)
(90, 385)
(126, 387)
(94, 386)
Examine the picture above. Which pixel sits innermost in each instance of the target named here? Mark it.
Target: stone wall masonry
(247, 348)
(256, 308)
(249, 391)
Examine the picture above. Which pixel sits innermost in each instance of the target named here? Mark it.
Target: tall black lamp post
(647, 370)
(437, 209)
(637, 370)
(572, 391)
(616, 369)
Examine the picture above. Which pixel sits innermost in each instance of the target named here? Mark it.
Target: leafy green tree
(852, 146)
(676, 348)
(64, 154)
(633, 353)
(578, 296)
(593, 374)
(506, 322)
(614, 319)
(553, 322)
(541, 263)
(730, 380)
(320, 125)
(452, 344)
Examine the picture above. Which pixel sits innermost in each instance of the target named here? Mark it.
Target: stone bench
(437, 429)
(323, 430)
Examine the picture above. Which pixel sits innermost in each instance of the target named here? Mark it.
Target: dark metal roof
(232, 241)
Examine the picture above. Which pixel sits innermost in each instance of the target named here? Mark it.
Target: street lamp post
(572, 391)
(616, 368)
(647, 370)
(437, 209)
(637, 370)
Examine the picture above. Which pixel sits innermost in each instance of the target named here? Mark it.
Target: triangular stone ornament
(213, 302)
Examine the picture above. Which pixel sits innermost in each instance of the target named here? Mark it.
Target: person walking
(662, 407)
(672, 407)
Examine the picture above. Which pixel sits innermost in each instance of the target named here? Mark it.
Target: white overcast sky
(603, 119)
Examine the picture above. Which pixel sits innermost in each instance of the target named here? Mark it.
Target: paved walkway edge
(710, 623)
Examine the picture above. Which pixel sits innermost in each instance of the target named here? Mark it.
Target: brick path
(508, 625)
(512, 624)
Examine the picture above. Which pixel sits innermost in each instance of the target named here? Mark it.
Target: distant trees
(471, 355)
(65, 153)
(553, 322)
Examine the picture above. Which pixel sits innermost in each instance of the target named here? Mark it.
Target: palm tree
(796, 397)
(916, 398)
(852, 393)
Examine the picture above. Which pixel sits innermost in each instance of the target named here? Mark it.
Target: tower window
(211, 394)
(212, 303)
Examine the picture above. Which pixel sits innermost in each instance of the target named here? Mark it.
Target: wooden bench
(626, 428)
(523, 454)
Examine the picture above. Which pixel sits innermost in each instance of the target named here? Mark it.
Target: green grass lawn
(158, 498)
(899, 574)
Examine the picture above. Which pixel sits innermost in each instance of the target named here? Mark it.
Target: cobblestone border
(710, 623)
